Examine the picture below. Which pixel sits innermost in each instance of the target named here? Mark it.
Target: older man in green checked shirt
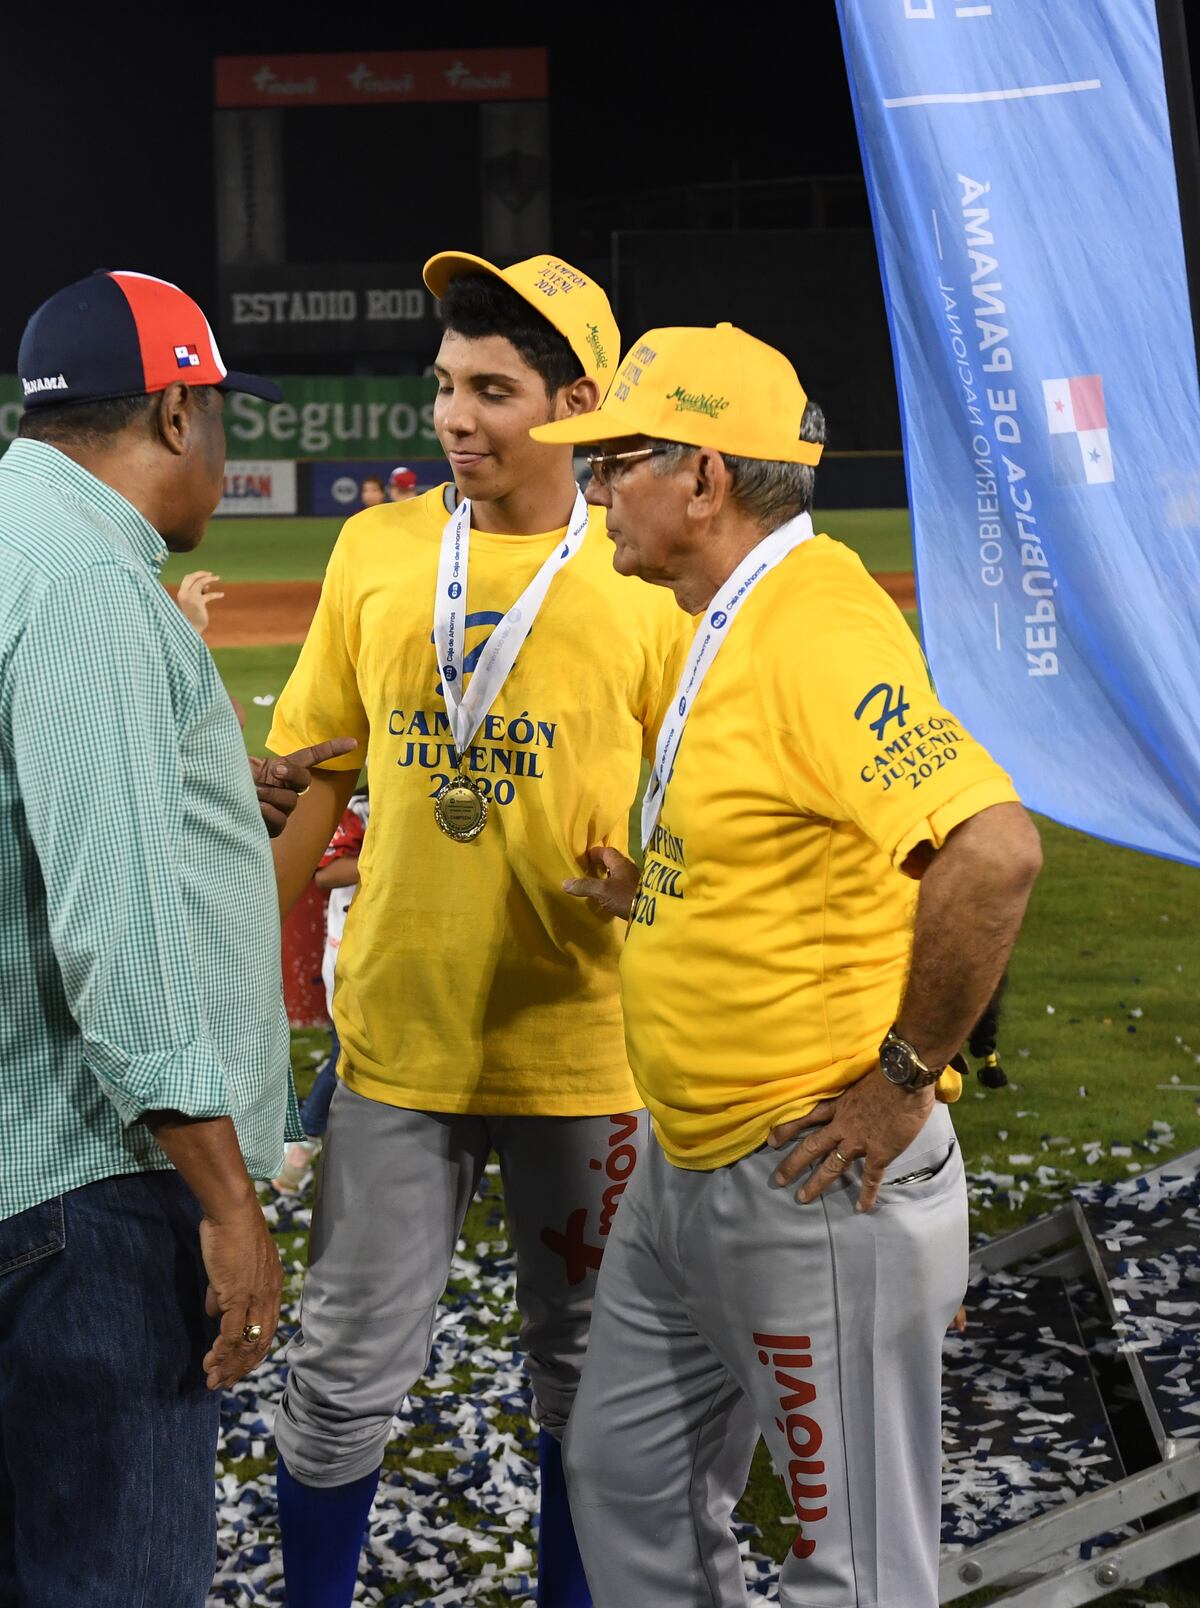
(143, 1040)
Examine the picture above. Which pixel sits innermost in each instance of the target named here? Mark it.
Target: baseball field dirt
(267, 613)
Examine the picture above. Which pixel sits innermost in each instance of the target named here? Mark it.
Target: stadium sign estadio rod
(1022, 178)
(329, 310)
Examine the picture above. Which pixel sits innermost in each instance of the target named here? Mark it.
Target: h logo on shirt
(893, 707)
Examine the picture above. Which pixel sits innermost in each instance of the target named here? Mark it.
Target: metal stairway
(1037, 1499)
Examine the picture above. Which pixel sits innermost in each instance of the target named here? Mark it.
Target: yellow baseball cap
(716, 388)
(570, 301)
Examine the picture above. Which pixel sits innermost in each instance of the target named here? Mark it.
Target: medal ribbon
(711, 634)
(466, 710)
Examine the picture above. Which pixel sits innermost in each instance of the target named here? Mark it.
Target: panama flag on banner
(1022, 179)
(1078, 429)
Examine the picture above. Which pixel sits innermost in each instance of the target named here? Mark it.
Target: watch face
(895, 1064)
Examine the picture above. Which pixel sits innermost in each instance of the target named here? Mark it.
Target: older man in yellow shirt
(835, 873)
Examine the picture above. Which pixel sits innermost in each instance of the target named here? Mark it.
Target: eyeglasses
(599, 462)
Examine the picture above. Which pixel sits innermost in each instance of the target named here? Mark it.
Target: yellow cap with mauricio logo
(570, 301)
(717, 388)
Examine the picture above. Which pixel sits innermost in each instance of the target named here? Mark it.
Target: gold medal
(460, 809)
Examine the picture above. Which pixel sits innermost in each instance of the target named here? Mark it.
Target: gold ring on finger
(843, 1161)
(252, 1333)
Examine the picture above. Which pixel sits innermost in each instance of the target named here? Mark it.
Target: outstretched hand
(280, 782)
(611, 891)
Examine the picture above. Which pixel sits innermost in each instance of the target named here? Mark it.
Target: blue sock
(322, 1529)
(561, 1582)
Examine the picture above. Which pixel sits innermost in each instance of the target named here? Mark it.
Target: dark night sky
(109, 135)
(110, 164)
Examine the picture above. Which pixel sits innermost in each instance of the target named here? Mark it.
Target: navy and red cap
(122, 334)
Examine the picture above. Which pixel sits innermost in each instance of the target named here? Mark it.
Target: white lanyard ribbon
(467, 710)
(711, 634)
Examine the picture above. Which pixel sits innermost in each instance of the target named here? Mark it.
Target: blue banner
(336, 487)
(1022, 183)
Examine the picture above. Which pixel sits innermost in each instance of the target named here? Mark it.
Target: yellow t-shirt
(467, 979)
(771, 937)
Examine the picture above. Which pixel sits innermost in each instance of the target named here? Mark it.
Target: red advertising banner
(377, 78)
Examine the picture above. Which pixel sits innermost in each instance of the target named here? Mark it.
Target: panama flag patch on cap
(1078, 425)
(187, 357)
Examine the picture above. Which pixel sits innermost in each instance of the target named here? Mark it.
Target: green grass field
(251, 673)
(1101, 1028)
(297, 549)
(259, 550)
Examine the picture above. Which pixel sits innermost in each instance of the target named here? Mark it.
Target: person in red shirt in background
(338, 874)
(402, 484)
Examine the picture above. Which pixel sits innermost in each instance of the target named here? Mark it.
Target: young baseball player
(783, 980)
(502, 680)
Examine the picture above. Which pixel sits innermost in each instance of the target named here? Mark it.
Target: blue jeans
(108, 1434)
(315, 1112)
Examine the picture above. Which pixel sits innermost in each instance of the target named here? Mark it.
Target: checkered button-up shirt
(139, 934)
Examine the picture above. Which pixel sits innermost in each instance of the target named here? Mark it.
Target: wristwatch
(901, 1064)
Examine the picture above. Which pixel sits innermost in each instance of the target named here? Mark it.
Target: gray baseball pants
(394, 1190)
(725, 1309)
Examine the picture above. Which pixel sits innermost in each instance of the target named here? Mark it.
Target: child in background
(338, 874)
(195, 594)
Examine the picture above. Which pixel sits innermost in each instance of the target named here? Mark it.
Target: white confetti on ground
(1015, 1439)
(474, 1426)
(1150, 1242)
(1020, 1433)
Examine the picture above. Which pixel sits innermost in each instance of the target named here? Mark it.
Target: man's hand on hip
(874, 1119)
(245, 1279)
(612, 890)
(280, 782)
